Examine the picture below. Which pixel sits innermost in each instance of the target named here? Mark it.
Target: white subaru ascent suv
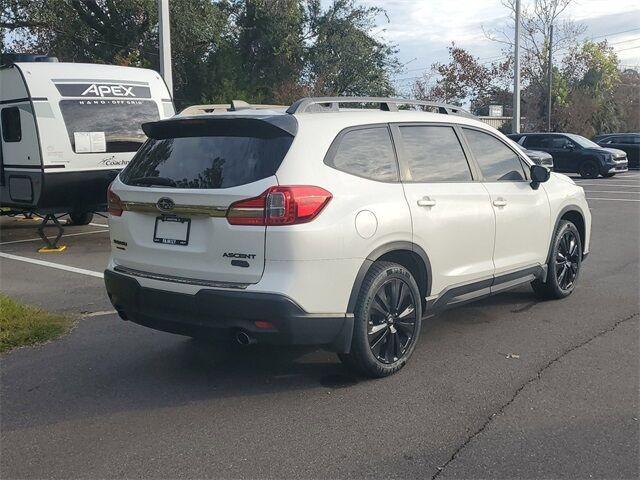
(334, 226)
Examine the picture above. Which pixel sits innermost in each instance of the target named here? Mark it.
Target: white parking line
(634, 185)
(614, 199)
(99, 224)
(63, 236)
(630, 192)
(99, 314)
(42, 263)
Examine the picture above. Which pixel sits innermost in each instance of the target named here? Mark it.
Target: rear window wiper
(151, 181)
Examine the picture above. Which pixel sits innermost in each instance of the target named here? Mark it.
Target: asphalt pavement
(509, 387)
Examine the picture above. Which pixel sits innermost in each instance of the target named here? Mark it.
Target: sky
(423, 29)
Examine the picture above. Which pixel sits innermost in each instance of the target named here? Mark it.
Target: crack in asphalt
(534, 378)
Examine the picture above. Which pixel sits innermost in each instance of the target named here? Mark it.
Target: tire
(608, 175)
(385, 335)
(565, 262)
(589, 169)
(80, 218)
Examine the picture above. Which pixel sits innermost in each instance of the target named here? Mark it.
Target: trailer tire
(80, 218)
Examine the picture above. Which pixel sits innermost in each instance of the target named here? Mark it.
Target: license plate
(172, 230)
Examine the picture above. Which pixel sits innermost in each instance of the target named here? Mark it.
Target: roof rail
(332, 104)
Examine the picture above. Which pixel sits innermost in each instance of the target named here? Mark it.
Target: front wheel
(608, 175)
(564, 264)
(589, 170)
(387, 321)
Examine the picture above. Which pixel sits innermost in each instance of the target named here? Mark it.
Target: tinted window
(116, 123)
(434, 154)
(204, 158)
(11, 127)
(497, 161)
(368, 153)
(535, 141)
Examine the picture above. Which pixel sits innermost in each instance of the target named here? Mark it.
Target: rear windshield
(208, 157)
(107, 125)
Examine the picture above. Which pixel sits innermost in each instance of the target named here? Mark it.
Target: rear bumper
(220, 313)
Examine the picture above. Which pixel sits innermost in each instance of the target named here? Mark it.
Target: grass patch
(22, 325)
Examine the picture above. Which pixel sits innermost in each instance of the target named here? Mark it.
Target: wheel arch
(407, 254)
(574, 214)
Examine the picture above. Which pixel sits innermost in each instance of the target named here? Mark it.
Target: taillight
(114, 204)
(281, 205)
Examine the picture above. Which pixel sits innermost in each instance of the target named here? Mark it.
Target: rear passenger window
(497, 161)
(535, 141)
(366, 152)
(434, 154)
(11, 128)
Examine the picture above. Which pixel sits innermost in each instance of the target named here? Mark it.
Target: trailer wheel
(80, 218)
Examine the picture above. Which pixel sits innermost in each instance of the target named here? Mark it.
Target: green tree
(257, 50)
(342, 57)
(590, 72)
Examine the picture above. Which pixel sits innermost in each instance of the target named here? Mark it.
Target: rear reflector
(281, 205)
(264, 325)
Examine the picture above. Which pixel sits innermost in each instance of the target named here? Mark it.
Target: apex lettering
(108, 91)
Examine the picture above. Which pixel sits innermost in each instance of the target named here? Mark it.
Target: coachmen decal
(103, 90)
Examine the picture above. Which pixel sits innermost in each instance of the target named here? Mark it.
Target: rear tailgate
(177, 189)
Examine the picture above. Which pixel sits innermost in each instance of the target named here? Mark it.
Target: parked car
(627, 142)
(337, 228)
(538, 157)
(575, 154)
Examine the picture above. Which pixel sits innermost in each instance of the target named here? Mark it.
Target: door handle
(500, 202)
(426, 202)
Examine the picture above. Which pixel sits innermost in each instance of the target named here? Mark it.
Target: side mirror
(539, 174)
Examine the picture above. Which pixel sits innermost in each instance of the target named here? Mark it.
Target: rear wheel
(589, 170)
(387, 321)
(80, 218)
(564, 264)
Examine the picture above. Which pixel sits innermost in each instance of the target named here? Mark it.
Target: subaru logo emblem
(165, 204)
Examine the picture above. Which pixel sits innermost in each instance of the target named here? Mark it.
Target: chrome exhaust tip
(243, 338)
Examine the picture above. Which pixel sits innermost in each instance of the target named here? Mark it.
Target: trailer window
(11, 127)
(117, 120)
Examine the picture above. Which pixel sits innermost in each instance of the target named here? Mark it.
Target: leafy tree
(257, 50)
(591, 73)
(342, 57)
(464, 80)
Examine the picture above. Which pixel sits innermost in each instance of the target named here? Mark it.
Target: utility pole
(515, 119)
(164, 28)
(550, 78)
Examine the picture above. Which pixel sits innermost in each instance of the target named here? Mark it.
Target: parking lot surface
(509, 387)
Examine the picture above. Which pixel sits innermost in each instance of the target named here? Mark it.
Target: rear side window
(365, 152)
(434, 154)
(207, 157)
(536, 141)
(11, 127)
(497, 161)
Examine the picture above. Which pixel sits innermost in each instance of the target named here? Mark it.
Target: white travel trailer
(67, 129)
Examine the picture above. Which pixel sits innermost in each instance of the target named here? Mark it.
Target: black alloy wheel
(392, 321)
(387, 321)
(567, 260)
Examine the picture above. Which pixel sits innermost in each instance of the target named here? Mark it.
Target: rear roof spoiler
(232, 125)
